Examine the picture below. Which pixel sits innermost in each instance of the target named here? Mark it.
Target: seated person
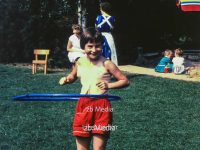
(178, 62)
(73, 45)
(165, 62)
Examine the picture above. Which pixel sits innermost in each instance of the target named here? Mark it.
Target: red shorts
(92, 116)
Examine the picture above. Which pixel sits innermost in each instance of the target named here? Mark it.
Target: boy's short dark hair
(91, 35)
(105, 6)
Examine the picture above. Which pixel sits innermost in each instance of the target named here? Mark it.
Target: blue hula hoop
(62, 97)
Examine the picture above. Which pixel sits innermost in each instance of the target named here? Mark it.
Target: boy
(95, 73)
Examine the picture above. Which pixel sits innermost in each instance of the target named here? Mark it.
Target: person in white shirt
(178, 62)
(73, 45)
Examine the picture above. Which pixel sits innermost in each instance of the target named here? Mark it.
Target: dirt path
(130, 69)
(151, 72)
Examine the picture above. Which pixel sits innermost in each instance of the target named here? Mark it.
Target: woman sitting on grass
(165, 62)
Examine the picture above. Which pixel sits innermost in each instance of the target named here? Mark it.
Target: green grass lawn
(154, 113)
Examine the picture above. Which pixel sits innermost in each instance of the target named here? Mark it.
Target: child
(73, 45)
(165, 62)
(105, 24)
(178, 62)
(95, 73)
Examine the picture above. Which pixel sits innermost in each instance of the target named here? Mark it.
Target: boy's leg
(83, 143)
(99, 142)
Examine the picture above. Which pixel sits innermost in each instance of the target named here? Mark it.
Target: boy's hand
(65, 80)
(62, 81)
(102, 85)
(70, 78)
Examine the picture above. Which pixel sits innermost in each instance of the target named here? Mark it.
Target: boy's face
(93, 50)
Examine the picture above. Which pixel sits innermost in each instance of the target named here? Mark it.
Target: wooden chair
(41, 58)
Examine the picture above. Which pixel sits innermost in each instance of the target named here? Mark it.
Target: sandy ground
(151, 72)
(127, 68)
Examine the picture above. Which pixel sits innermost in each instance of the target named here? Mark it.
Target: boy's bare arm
(114, 70)
(72, 76)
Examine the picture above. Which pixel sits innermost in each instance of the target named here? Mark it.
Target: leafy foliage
(30, 24)
(153, 25)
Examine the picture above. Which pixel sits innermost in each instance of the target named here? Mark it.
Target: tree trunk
(81, 15)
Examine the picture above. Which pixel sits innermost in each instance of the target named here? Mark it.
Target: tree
(30, 24)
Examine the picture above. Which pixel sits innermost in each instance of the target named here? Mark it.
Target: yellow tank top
(90, 73)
